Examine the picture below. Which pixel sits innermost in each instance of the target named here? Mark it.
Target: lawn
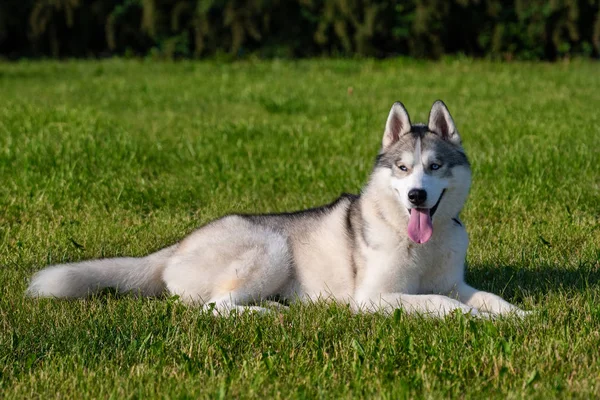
(110, 158)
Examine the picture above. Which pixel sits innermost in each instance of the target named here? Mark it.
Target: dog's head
(425, 168)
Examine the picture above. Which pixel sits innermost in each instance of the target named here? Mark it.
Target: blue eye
(435, 166)
(402, 168)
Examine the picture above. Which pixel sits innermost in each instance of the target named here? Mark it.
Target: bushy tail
(137, 275)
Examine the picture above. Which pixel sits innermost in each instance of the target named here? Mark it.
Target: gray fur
(450, 154)
(355, 250)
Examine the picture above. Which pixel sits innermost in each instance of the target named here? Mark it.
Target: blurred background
(171, 29)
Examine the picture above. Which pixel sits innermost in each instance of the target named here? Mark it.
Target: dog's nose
(417, 196)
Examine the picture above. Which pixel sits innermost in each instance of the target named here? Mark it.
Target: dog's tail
(141, 276)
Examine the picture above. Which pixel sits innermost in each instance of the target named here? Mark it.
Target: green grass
(125, 157)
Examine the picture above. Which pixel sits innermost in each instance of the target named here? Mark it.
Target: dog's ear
(441, 123)
(398, 124)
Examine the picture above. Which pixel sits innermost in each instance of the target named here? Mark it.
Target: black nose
(417, 196)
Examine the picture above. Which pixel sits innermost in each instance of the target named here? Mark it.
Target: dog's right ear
(398, 124)
(442, 124)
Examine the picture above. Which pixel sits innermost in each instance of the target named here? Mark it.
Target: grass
(125, 157)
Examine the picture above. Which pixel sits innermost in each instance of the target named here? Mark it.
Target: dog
(399, 244)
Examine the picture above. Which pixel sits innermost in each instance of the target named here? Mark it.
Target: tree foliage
(523, 29)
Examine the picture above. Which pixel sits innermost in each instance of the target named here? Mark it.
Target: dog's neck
(380, 207)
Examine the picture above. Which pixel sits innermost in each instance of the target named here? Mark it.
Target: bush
(521, 29)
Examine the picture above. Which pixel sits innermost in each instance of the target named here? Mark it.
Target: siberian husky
(399, 244)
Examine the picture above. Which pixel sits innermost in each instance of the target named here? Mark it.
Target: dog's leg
(225, 305)
(427, 304)
(231, 264)
(486, 302)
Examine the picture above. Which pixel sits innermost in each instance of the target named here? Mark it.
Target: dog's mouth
(435, 207)
(420, 226)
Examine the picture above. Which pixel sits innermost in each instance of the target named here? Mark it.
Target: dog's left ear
(441, 123)
(398, 124)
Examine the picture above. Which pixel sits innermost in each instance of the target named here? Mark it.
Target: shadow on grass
(513, 281)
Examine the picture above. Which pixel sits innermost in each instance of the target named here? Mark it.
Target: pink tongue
(420, 227)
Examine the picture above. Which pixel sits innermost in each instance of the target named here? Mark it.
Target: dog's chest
(402, 267)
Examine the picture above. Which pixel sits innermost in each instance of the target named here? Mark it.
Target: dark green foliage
(523, 29)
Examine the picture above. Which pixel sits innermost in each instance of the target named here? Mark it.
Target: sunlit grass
(124, 157)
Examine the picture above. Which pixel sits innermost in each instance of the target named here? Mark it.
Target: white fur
(236, 262)
(418, 179)
(137, 275)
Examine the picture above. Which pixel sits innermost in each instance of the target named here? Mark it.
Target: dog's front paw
(522, 313)
(462, 310)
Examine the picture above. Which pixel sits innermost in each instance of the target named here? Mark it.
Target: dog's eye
(435, 166)
(402, 167)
